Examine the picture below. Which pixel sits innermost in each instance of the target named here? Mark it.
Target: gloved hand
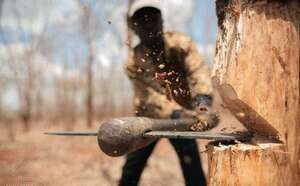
(207, 117)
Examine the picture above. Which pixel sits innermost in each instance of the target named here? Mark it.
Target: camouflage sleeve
(198, 73)
(135, 74)
(149, 101)
(196, 70)
(154, 104)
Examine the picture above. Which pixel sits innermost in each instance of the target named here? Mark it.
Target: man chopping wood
(170, 80)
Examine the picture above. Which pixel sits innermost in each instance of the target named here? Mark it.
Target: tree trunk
(245, 165)
(26, 112)
(256, 72)
(89, 98)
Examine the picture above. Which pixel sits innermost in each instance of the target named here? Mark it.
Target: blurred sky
(59, 21)
(197, 18)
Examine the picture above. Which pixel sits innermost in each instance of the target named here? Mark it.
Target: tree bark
(26, 112)
(256, 72)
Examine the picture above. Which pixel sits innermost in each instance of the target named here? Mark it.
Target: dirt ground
(37, 159)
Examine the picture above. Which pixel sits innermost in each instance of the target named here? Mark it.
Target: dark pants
(187, 151)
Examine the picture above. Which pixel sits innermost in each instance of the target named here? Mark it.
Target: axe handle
(183, 124)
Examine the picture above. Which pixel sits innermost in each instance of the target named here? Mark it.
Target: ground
(36, 159)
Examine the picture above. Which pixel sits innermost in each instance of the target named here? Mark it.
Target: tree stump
(256, 72)
(245, 164)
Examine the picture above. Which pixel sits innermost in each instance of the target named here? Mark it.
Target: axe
(123, 135)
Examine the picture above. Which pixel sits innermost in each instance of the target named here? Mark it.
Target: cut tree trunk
(256, 72)
(265, 164)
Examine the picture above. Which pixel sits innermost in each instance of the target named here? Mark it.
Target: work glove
(203, 111)
(207, 117)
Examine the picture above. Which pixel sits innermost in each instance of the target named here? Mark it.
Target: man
(168, 75)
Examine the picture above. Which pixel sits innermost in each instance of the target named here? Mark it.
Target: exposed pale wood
(256, 72)
(257, 64)
(247, 165)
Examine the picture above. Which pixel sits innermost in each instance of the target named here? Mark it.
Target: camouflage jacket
(187, 76)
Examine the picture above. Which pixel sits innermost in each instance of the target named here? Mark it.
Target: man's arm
(157, 103)
(198, 82)
(135, 74)
(198, 76)
(197, 79)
